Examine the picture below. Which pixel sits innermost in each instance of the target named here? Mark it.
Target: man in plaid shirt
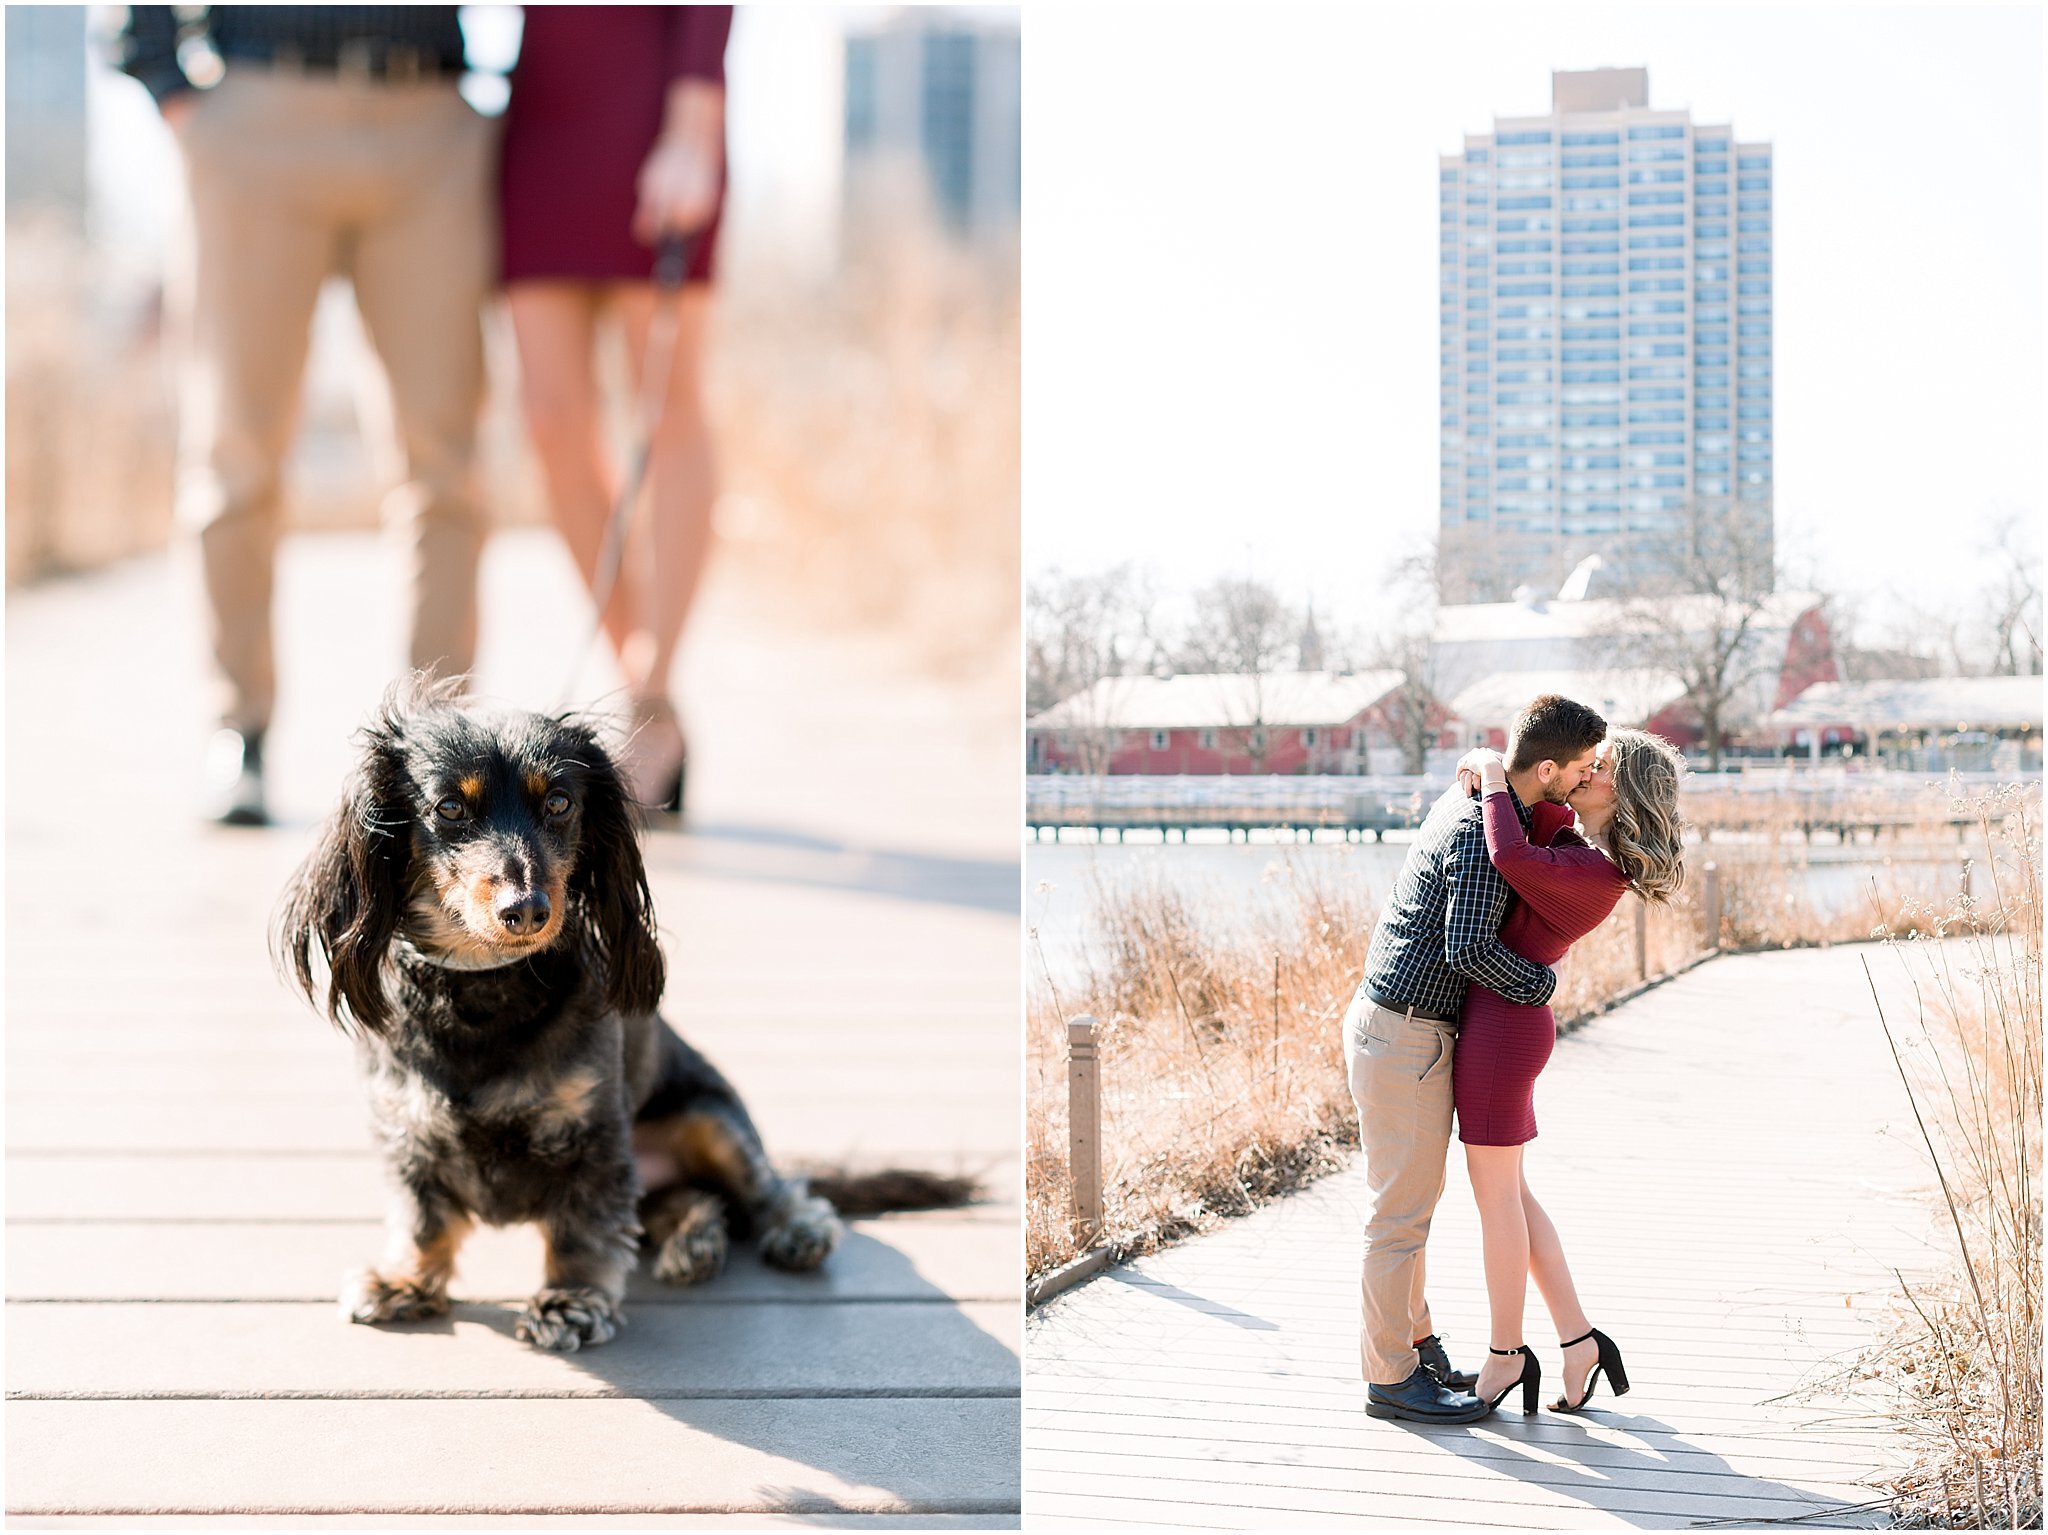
(1438, 932)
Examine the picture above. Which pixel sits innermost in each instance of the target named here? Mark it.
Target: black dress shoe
(234, 779)
(1437, 1361)
(1420, 1399)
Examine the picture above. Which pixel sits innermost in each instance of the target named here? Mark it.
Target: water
(1233, 885)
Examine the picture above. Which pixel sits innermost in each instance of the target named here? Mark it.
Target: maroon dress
(1564, 890)
(587, 100)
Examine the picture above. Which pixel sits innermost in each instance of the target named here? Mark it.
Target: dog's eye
(556, 803)
(451, 809)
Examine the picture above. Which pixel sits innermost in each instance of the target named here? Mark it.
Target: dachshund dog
(479, 906)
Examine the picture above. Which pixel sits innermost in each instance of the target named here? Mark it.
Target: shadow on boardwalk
(189, 1171)
(1728, 1160)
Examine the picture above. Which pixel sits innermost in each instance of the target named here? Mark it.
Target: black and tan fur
(523, 1091)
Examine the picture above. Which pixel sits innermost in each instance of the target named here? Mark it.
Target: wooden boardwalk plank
(271, 1349)
(189, 1172)
(512, 1456)
(891, 1258)
(1727, 1160)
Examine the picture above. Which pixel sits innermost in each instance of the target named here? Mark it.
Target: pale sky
(1231, 282)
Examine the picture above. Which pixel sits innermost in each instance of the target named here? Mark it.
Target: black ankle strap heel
(1531, 1380)
(1609, 1364)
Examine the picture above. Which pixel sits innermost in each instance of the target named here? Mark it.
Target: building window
(1159, 740)
(1309, 736)
(1208, 740)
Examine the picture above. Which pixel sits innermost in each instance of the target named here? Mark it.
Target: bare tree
(1695, 605)
(1079, 630)
(2014, 597)
(1406, 643)
(1472, 567)
(1874, 641)
(1997, 633)
(1240, 627)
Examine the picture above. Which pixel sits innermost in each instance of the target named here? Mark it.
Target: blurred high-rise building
(46, 138)
(936, 92)
(1606, 311)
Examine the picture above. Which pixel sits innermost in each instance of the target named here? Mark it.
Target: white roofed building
(1214, 722)
(1641, 698)
(1923, 724)
(1601, 640)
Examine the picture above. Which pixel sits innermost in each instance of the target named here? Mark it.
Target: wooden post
(1642, 939)
(1084, 1130)
(1710, 905)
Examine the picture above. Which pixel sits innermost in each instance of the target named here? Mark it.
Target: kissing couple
(1454, 1012)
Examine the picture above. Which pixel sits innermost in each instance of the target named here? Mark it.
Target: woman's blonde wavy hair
(1648, 833)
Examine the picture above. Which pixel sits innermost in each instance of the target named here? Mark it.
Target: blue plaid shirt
(1440, 929)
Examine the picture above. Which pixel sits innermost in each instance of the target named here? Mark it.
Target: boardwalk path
(188, 1170)
(1731, 1163)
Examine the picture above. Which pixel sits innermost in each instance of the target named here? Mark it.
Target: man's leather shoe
(234, 779)
(1438, 1362)
(1419, 1399)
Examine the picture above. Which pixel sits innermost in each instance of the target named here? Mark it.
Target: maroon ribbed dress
(1564, 890)
(587, 101)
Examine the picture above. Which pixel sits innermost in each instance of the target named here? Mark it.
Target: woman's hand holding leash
(679, 179)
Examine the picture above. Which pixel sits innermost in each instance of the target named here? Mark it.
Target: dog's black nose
(527, 914)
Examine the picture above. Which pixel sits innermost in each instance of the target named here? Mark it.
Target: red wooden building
(1216, 723)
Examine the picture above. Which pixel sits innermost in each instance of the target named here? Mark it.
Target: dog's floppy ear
(610, 882)
(348, 896)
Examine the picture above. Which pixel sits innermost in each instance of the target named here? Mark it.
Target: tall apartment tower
(940, 90)
(1606, 337)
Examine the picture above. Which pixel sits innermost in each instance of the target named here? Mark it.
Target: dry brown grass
(89, 421)
(1221, 1068)
(1964, 1366)
(1222, 1071)
(868, 431)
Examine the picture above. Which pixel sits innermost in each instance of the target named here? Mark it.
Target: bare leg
(1496, 1174)
(1554, 1281)
(672, 539)
(556, 324)
(676, 538)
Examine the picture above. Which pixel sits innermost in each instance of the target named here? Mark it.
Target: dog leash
(672, 254)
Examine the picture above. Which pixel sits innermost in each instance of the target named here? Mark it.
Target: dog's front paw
(803, 1237)
(695, 1251)
(566, 1320)
(372, 1297)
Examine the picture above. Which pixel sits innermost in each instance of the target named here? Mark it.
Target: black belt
(1403, 1008)
(363, 58)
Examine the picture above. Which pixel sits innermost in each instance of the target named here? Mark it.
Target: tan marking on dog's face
(453, 911)
(471, 786)
(537, 783)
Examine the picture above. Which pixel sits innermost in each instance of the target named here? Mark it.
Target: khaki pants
(295, 177)
(1400, 1070)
